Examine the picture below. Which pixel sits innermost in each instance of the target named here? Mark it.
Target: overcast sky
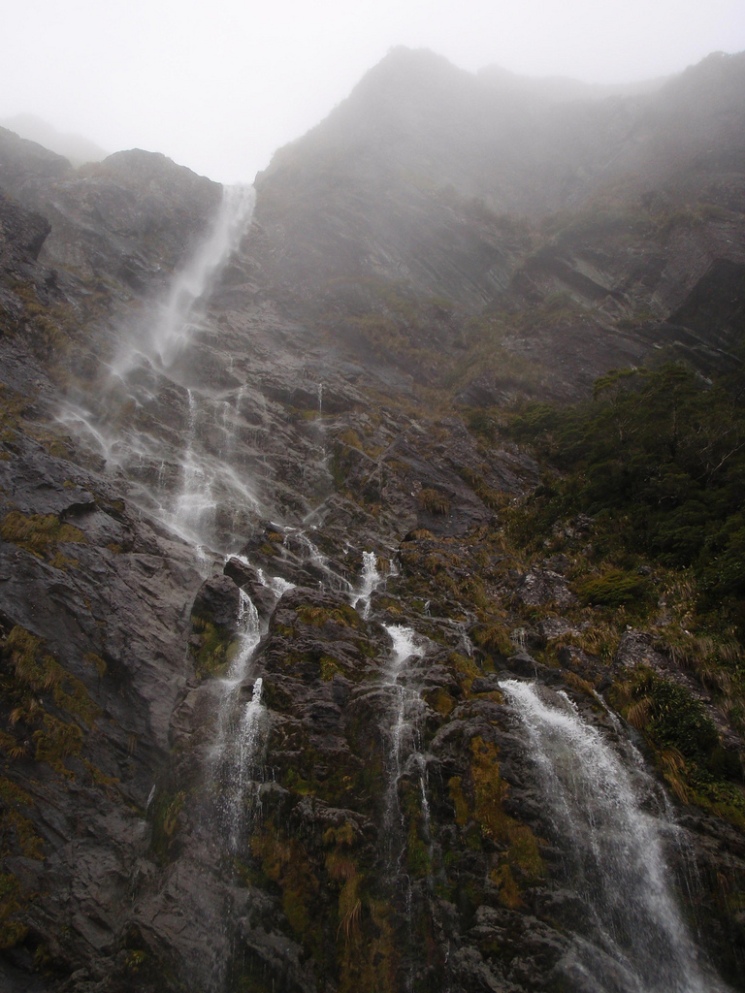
(219, 85)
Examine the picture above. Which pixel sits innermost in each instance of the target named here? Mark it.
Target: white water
(180, 478)
(371, 579)
(632, 938)
(241, 731)
(406, 709)
(276, 584)
(178, 314)
(299, 548)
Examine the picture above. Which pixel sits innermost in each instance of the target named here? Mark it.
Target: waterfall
(195, 499)
(401, 834)
(631, 937)
(175, 474)
(240, 736)
(249, 749)
(370, 581)
(404, 756)
(170, 333)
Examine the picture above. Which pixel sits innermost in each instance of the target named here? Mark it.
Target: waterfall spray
(632, 938)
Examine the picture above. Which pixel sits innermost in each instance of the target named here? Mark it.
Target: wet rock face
(327, 790)
(129, 217)
(23, 234)
(136, 203)
(615, 242)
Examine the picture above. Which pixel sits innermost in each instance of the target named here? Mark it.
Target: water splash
(276, 584)
(632, 938)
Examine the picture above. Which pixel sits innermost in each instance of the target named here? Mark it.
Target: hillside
(371, 588)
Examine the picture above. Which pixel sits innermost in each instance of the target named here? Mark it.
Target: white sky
(219, 86)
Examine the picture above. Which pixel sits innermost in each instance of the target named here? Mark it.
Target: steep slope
(433, 188)
(298, 692)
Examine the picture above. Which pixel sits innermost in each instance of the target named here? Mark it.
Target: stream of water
(406, 709)
(371, 579)
(148, 422)
(239, 738)
(178, 315)
(611, 825)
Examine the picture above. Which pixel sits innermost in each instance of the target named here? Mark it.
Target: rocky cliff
(303, 688)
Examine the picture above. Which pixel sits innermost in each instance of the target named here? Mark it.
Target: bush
(615, 588)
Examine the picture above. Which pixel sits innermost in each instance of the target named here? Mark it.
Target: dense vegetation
(658, 459)
(649, 473)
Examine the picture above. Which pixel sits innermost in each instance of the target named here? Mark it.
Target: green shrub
(615, 588)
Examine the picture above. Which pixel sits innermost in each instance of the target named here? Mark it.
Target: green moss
(350, 439)
(465, 668)
(343, 836)
(490, 497)
(493, 636)
(97, 662)
(615, 588)
(698, 769)
(18, 836)
(460, 804)
(670, 715)
(38, 690)
(439, 700)
(40, 672)
(38, 533)
(504, 880)
(318, 615)
(329, 668)
(12, 406)
(369, 961)
(56, 741)
(478, 802)
(213, 647)
(287, 863)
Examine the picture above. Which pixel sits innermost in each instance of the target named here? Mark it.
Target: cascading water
(404, 755)
(371, 579)
(276, 584)
(405, 761)
(240, 737)
(194, 500)
(174, 473)
(166, 338)
(299, 549)
(630, 937)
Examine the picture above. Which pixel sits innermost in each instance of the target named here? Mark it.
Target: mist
(220, 87)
